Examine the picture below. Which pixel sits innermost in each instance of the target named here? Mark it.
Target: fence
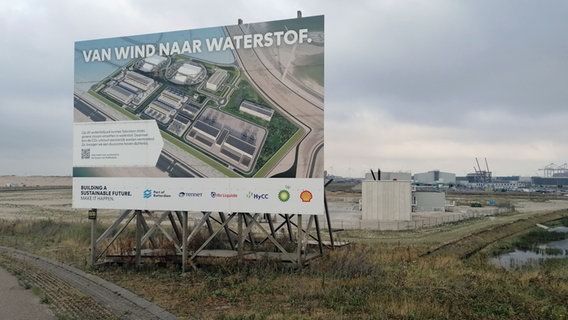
(419, 220)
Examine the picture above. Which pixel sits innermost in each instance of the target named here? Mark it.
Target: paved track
(19, 303)
(76, 294)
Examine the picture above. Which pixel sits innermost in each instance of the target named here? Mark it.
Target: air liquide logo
(257, 196)
(216, 195)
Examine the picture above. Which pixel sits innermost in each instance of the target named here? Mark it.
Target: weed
(351, 262)
(382, 275)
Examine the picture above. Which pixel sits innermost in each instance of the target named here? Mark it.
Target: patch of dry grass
(381, 275)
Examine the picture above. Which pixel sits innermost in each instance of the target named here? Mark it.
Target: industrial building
(256, 110)
(396, 196)
(153, 63)
(382, 175)
(434, 177)
(139, 81)
(391, 196)
(189, 73)
(230, 139)
(428, 200)
(172, 98)
(386, 200)
(120, 94)
(555, 177)
(216, 80)
(132, 85)
(554, 182)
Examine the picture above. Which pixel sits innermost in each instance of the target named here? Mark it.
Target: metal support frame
(250, 233)
(244, 243)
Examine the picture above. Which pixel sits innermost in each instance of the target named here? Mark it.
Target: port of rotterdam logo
(149, 193)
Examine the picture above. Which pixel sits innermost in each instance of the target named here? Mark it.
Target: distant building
(480, 177)
(393, 198)
(428, 200)
(509, 183)
(383, 175)
(435, 177)
(558, 182)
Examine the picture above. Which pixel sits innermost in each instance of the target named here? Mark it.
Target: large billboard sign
(216, 119)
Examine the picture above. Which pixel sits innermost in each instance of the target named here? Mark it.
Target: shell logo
(306, 196)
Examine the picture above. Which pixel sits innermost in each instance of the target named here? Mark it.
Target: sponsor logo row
(283, 195)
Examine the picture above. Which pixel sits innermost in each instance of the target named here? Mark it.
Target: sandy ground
(32, 181)
(343, 207)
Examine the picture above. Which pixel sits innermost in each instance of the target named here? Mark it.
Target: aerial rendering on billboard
(224, 118)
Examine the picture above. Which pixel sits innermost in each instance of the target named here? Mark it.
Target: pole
(241, 237)
(93, 217)
(327, 217)
(184, 243)
(138, 257)
(299, 236)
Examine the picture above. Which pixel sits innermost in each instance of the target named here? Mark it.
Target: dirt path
(78, 295)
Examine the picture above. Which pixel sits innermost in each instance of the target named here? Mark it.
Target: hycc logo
(257, 196)
(147, 193)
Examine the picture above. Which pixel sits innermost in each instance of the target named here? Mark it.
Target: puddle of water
(519, 259)
(558, 229)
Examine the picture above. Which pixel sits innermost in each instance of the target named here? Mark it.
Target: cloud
(371, 138)
(470, 55)
(410, 85)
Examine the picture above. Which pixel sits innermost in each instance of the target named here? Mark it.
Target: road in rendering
(296, 102)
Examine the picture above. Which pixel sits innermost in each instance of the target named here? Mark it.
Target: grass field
(436, 273)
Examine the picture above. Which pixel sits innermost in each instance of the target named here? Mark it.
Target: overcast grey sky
(410, 85)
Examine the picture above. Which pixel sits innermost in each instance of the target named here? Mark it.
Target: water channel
(519, 258)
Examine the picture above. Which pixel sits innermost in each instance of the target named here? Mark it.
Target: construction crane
(553, 170)
(482, 176)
